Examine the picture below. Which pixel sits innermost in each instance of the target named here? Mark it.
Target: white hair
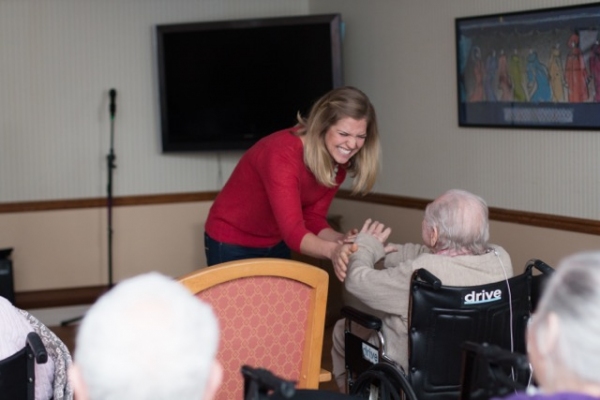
(573, 295)
(147, 338)
(461, 219)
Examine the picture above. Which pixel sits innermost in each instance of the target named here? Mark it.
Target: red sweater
(271, 196)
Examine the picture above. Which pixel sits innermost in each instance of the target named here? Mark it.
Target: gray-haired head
(461, 220)
(147, 338)
(570, 309)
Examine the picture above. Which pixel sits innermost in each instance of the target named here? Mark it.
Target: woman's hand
(349, 236)
(340, 258)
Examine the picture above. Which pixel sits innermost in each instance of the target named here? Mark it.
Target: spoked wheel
(383, 381)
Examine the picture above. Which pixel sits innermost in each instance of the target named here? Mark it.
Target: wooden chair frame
(315, 278)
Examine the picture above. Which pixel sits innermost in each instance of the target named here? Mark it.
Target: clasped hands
(347, 246)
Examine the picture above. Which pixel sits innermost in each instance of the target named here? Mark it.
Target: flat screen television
(224, 85)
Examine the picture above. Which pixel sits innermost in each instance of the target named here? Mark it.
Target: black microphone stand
(110, 160)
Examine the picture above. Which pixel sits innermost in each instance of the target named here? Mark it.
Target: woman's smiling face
(344, 139)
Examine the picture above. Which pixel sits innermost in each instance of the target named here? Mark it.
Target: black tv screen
(224, 85)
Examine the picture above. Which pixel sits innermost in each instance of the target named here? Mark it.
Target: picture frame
(530, 69)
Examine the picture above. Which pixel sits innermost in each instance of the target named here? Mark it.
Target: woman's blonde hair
(327, 111)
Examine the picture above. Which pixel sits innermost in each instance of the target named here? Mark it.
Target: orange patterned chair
(271, 314)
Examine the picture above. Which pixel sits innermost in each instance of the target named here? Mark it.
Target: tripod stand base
(82, 298)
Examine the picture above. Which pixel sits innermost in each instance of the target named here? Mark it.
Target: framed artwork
(533, 69)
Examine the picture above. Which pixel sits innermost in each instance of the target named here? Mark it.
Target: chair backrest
(443, 317)
(271, 314)
(17, 372)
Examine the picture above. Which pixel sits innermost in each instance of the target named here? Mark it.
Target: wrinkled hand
(380, 232)
(340, 259)
(376, 229)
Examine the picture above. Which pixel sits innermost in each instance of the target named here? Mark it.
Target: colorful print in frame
(534, 69)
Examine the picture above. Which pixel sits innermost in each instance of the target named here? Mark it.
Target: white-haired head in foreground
(563, 336)
(147, 338)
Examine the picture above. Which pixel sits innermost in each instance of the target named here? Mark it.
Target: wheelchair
(489, 371)
(262, 384)
(441, 318)
(17, 372)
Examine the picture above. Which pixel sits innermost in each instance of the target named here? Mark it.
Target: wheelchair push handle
(37, 347)
(428, 277)
(540, 266)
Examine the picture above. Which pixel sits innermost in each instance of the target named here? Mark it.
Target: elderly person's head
(456, 223)
(147, 338)
(563, 339)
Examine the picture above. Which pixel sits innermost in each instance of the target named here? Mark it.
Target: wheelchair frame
(379, 375)
(363, 357)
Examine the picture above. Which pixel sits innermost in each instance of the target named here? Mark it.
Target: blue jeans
(219, 252)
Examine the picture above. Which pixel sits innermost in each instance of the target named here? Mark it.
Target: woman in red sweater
(278, 196)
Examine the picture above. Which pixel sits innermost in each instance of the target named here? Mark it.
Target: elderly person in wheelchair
(455, 234)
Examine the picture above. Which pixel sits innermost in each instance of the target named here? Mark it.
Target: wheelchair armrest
(428, 277)
(492, 370)
(259, 381)
(362, 318)
(37, 347)
(497, 355)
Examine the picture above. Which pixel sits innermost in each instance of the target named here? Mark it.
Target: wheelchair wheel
(383, 381)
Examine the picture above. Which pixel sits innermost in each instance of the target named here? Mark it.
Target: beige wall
(61, 56)
(59, 59)
(62, 249)
(402, 53)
